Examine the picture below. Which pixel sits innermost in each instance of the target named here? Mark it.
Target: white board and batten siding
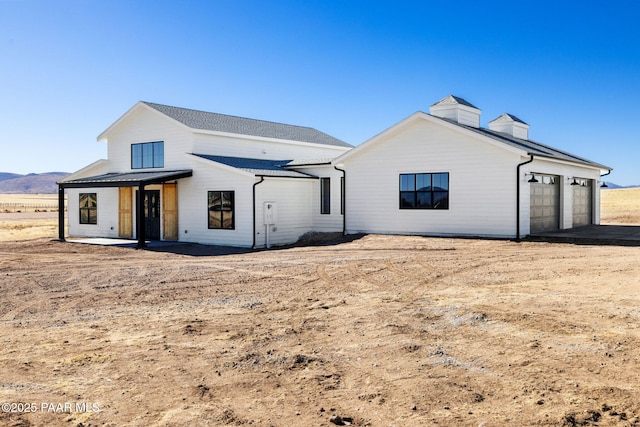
(193, 216)
(146, 125)
(294, 218)
(260, 148)
(482, 184)
(107, 213)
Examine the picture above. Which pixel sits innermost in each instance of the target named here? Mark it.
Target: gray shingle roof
(260, 167)
(531, 147)
(203, 120)
(452, 100)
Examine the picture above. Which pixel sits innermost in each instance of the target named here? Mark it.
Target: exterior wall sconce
(604, 185)
(575, 182)
(533, 179)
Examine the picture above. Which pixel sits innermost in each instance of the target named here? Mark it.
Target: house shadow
(592, 235)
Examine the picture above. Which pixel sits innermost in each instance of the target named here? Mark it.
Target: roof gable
(499, 139)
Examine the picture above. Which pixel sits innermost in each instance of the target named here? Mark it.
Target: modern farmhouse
(193, 176)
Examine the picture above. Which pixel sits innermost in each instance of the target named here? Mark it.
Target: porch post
(61, 212)
(140, 222)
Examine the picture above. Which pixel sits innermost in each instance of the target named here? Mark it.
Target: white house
(443, 174)
(186, 175)
(193, 176)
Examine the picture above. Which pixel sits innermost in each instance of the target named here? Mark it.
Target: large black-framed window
(88, 203)
(147, 155)
(325, 195)
(424, 190)
(221, 209)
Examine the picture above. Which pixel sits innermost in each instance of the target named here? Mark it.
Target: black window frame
(325, 196)
(425, 197)
(147, 155)
(230, 210)
(90, 212)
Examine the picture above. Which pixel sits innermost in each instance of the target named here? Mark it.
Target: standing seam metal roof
(203, 120)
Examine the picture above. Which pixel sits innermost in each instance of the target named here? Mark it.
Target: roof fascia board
(265, 139)
(570, 163)
(103, 137)
(222, 166)
(435, 120)
(75, 174)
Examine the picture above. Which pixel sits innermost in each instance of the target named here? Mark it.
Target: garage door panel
(545, 204)
(582, 202)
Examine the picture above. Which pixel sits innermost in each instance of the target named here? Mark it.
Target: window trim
(232, 210)
(153, 145)
(88, 209)
(325, 196)
(430, 192)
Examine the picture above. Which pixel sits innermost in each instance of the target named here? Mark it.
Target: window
(424, 191)
(88, 208)
(325, 195)
(221, 210)
(147, 155)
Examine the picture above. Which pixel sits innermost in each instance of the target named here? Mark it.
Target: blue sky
(348, 68)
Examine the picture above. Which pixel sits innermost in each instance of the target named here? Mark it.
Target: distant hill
(612, 186)
(33, 183)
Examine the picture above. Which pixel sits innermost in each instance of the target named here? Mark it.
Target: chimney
(510, 124)
(456, 109)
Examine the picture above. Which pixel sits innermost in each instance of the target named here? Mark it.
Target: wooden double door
(160, 213)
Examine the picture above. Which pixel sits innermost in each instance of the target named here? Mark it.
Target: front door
(152, 214)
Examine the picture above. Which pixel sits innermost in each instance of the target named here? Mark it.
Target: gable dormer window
(147, 155)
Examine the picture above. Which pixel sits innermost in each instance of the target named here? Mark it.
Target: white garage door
(545, 203)
(582, 201)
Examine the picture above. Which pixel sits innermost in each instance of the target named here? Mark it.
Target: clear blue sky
(348, 68)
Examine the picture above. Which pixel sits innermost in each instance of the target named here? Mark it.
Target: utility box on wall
(270, 213)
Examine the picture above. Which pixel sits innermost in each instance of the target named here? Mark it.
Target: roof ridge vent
(457, 109)
(511, 125)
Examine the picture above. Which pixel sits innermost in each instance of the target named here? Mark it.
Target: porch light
(604, 185)
(533, 179)
(575, 182)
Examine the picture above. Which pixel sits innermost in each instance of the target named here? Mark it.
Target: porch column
(140, 222)
(61, 213)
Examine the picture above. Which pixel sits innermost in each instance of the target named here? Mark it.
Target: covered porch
(126, 182)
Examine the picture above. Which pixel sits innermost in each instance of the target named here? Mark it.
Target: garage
(545, 203)
(582, 201)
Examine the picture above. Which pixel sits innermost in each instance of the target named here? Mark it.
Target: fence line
(29, 207)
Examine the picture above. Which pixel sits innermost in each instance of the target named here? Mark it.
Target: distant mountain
(33, 183)
(612, 186)
(7, 175)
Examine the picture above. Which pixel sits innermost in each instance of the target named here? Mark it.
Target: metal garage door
(582, 201)
(545, 203)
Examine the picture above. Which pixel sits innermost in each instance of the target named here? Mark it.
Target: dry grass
(28, 229)
(29, 198)
(620, 206)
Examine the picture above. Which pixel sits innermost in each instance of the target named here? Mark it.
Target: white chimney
(510, 124)
(456, 109)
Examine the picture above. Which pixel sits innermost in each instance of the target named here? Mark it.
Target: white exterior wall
(293, 199)
(144, 125)
(193, 216)
(566, 172)
(261, 148)
(333, 221)
(107, 213)
(482, 184)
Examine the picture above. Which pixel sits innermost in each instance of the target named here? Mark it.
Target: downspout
(518, 197)
(344, 199)
(254, 210)
(61, 212)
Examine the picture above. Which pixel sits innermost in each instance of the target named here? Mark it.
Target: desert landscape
(365, 330)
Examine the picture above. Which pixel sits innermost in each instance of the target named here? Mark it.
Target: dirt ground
(379, 331)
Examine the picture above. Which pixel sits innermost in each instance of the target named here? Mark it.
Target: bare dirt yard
(376, 331)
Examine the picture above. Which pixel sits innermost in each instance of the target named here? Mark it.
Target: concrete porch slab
(622, 235)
